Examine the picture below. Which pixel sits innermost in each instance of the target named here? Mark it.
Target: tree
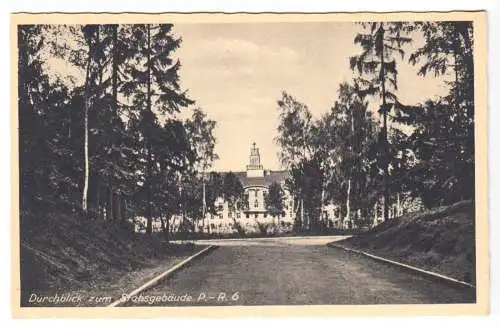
(87, 31)
(154, 84)
(106, 135)
(378, 75)
(443, 130)
(354, 132)
(232, 191)
(294, 140)
(32, 85)
(274, 199)
(200, 130)
(440, 170)
(99, 52)
(91, 91)
(114, 161)
(341, 169)
(47, 165)
(191, 197)
(448, 50)
(49, 152)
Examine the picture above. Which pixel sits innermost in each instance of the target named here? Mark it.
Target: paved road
(297, 271)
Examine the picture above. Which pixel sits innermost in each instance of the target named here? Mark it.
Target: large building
(255, 181)
(255, 217)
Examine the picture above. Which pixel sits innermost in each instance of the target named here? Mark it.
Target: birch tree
(201, 134)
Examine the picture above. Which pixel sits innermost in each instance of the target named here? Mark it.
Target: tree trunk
(204, 204)
(347, 202)
(302, 214)
(322, 206)
(384, 130)
(398, 205)
(124, 209)
(114, 76)
(70, 121)
(86, 131)
(114, 85)
(99, 55)
(463, 31)
(87, 164)
(98, 200)
(163, 226)
(118, 208)
(110, 203)
(167, 236)
(457, 91)
(149, 228)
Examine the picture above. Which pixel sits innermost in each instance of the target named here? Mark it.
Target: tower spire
(254, 158)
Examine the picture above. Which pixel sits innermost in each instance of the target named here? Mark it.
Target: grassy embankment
(73, 255)
(439, 240)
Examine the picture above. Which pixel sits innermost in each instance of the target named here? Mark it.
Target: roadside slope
(63, 253)
(439, 240)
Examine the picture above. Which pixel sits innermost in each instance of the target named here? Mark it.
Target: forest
(116, 144)
(369, 159)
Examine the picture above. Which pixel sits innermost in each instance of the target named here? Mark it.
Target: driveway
(294, 271)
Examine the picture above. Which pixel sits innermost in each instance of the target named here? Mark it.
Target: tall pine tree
(377, 70)
(153, 87)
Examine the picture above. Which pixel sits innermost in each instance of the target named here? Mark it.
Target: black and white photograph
(247, 161)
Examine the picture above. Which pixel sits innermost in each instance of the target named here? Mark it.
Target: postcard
(249, 164)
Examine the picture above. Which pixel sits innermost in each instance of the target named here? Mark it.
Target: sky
(237, 71)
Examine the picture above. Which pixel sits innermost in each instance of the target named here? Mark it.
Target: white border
(493, 7)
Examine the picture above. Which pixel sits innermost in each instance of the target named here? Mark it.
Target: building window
(238, 215)
(230, 214)
(256, 204)
(256, 215)
(247, 215)
(265, 214)
(283, 214)
(221, 215)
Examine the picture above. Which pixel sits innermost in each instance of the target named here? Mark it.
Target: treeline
(364, 159)
(111, 144)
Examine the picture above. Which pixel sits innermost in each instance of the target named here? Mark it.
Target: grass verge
(440, 240)
(67, 260)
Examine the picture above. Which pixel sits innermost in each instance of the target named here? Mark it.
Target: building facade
(255, 181)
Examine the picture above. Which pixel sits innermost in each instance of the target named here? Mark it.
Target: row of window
(248, 215)
(256, 193)
(265, 214)
(230, 225)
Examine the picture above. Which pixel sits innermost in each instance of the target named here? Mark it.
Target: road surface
(294, 271)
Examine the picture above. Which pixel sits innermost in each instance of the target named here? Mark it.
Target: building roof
(258, 176)
(270, 177)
